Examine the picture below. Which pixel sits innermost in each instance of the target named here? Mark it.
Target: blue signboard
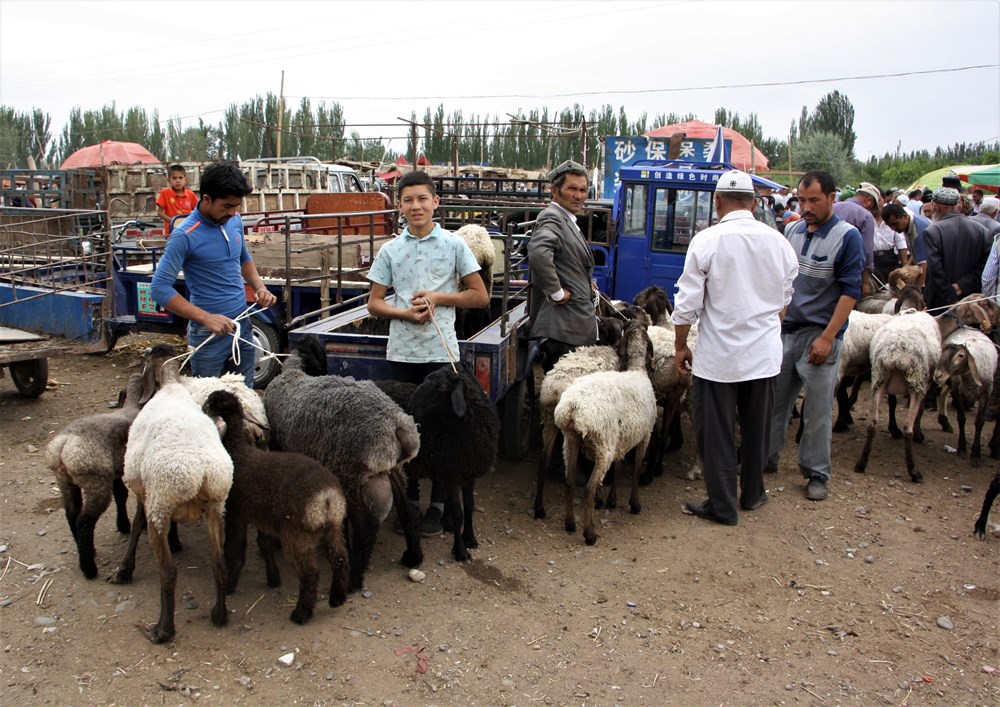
(621, 151)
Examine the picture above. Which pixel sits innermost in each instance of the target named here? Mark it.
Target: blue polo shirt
(211, 257)
(435, 263)
(919, 247)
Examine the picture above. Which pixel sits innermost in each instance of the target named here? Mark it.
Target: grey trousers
(819, 383)
(717, 406)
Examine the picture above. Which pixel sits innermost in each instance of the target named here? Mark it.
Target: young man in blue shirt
(208, 245)
(423, 265)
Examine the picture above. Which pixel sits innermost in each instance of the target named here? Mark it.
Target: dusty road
(879, 595)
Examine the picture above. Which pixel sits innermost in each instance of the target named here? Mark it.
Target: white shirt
(737, 278)
(887, 239)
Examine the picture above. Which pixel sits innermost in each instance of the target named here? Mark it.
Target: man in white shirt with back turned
(736, 283)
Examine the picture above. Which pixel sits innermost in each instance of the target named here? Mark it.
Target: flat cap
(946, 196)
(734, 182)
(567, 166)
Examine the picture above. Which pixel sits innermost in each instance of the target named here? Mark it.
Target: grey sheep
(353, 429)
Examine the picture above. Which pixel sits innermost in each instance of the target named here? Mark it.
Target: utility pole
(454, 153)
(281, 112)
(584, 133)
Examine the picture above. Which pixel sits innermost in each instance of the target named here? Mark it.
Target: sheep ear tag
(458, 399)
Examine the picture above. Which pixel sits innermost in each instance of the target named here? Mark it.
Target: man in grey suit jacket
(561, 301)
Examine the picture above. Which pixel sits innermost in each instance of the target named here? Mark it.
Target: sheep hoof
(412, 558)
(121, 577)
(155, 634)
(980, 532)
(896, 432)
(841, 427)
(635, 508)
(590, 538)
(859, 468)
(645, 479)
(962, 454)
(89, 569)
(570, 526)
(124, 526)
(918, 436)
(916, 477)
(461, 555)
(976, 461)
(470, 542)
(220, 617)
(300, 615)
(539, 513)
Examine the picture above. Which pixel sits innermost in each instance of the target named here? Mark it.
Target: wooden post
(413, 140)
(584, 133)
(454, 152)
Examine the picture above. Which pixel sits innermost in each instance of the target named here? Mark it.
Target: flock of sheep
(316, 465)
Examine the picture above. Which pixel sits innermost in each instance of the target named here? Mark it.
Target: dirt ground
(878, 596)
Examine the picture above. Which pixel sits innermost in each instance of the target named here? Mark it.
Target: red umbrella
(741, 155)
(109, 152)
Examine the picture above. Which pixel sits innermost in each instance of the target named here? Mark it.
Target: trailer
(56, 296)
(496, 352)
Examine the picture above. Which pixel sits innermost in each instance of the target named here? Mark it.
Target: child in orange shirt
(175, 199)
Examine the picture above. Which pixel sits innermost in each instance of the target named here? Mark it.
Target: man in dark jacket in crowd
(957, 249)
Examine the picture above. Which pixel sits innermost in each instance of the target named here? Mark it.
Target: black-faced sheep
(965, 369)
(606, 415)
(354, 430)
(87, 459)
(288, 497)
(459, 428)
(178, 469)
(654, 301)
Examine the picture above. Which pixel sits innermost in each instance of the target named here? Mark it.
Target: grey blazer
(559, 257)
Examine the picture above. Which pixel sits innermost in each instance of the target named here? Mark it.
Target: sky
(382, 59)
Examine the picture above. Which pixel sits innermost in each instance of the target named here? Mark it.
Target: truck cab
(658, 208)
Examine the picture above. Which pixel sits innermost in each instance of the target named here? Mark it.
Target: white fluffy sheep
(903, 355)
(855, 361)
(469, 321)
(574, 365)
(606, 415)
(87, 459)
(255, 421)
(177, 467)
(965, 369)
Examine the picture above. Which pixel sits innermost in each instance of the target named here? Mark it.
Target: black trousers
(717, 408)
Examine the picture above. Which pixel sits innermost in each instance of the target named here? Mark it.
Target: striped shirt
(830, 265)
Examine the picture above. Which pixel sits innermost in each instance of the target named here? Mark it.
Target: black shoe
(430, 525)
(816, 489)
(703, 510)
(757, 504)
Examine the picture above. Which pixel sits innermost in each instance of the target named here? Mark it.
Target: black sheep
(288, 497)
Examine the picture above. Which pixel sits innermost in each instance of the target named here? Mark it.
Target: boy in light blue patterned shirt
(423, 265)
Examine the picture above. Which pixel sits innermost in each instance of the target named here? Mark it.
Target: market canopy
(987, 178)
(933, 179)
(744, 155)
(108, 152)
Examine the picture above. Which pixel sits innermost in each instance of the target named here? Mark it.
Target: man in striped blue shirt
(831, 259)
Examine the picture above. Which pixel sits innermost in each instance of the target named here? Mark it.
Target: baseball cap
(734, 182)
(870, 190)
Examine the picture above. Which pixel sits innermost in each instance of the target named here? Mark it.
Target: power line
(639, 91)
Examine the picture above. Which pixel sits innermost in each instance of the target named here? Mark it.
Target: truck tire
(266, 337)
(30, 377)
(518, 409)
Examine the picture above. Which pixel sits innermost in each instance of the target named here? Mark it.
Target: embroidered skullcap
(946, 196)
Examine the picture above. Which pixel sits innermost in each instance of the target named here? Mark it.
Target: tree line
(821, 138)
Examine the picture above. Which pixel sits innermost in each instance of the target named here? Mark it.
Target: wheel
(30, 377)
(266, 337)
(517, 418)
